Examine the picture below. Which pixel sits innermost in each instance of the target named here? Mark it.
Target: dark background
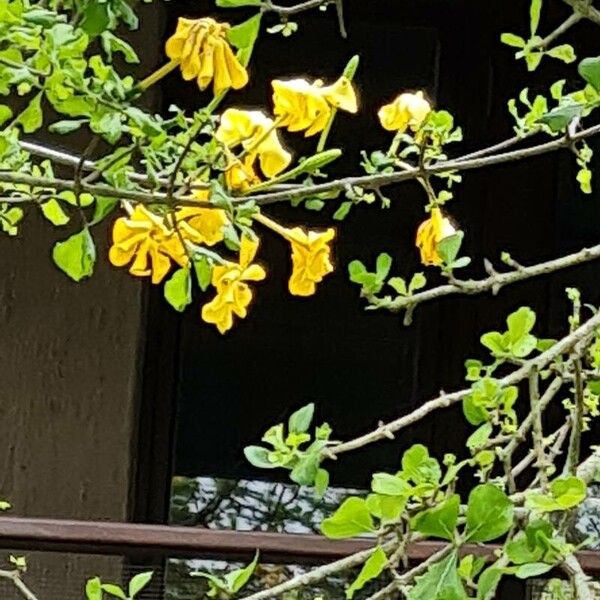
(360, 367)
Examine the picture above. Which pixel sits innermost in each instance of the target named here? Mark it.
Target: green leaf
(95, 17)
(399, 285)
(520, 323)
(418, 466)
(372, 568)
(589, 69)
(244, 35)
(489, 513)
(259, 457)
(383, 265)
(321, 482)
(488, 582)
(356, 270)
(559, 118)
(31, 118)
(417, 282)
(350, 519)
(389, 485)
(236, 3)
(76, 255)
(139, 582)
(479, 437)
(66, 126)
(5, 113)
(305, 471)
(104, 206)
(178, 289)
(114, 590)
(439, 521)
(494, 341)
(532, 570)
(510, 39)
(535, 10)
(93, 589)
(300, 421)
(342, 212)
(564, 52)
(440, 582)
(386, 508)
(315, 162)
(533, 60)
(236, 580)
(449, 247)
(112, 44)
(54, 213)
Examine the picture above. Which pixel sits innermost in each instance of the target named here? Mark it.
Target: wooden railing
(131, 539)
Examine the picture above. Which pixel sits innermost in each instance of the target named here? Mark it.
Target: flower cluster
(248, 140)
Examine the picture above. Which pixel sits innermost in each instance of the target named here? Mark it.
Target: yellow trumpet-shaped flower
(240, 175)
(304, 106)
(257, 135)
(201, 48)
(311, 255)
(233, 293)
(201, 225)
(429, 235)
(407, 110)
(147, 242)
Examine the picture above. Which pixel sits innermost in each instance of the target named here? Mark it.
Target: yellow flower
(200, 47)
(429, 235)
(201, 225)
(257, 135)
(407, 110)
(240, 175)
(233, 293)
(311, 255)
(146, 239)
(301, 105)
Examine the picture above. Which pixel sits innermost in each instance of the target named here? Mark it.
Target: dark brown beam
(132, 539)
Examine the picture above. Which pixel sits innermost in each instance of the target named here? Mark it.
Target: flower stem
(272, 225)
(157, 75)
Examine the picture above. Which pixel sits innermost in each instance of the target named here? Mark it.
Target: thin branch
(579, 579)
(562, 28)
(574, 452)
(494, 282)
(444, 400)
(537, 430)
(287, 11)
(585, 9)
(318, 574)
(15, 578)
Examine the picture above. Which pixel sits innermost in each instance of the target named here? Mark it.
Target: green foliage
(489, 514)
(441, 581)
(352, 518)
(564, 493)
(372, 568)
(231, 583)
(94, 588)
(76, 255)
(178, 289)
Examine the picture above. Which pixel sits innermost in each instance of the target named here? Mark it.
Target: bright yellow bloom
(311, 255)
(200, 47)
(407, 110)
(146, 239)
(257, 135)
(429, 235)
(240, 175)
(301, 105)
(201, 225)
(233, 293)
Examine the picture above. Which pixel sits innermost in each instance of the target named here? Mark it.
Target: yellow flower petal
(407, 110)
(429, 235)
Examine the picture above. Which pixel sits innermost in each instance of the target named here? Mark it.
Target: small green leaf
(203, 270)
(76, 255)
(372, 568)
(114, 590)
(259, 457)
(417, 282)
(236, 3)
(342, 212)
(520, 323)
(237, 579)
(93, 589)
(495, 342)
(178, 289)
(510, 39)
(488, 582)
(532, 570)
(66, 126)
(564, 52)
(300, 421)
(479, 437)
(350, 519)
(439, 521)
(104, 206)
(321, 482)
(449, 247)
(356, 269)
(589, 69)
(139, 582)
(535, 10)
(31, 118)
(5, 113)
(383, 265)
(558, 119)
(389, 485)
(439, 582)
(244, 35)
(399, 285)
(54, 213)
(489, 513)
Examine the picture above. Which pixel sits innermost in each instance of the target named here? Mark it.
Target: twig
(574, 452)
(445, 400)
(567, 24)
(318, 574)
(579, 579)
(287, 11)
(494, 282)
(585, 9)
(537, 432)
(15, 577)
